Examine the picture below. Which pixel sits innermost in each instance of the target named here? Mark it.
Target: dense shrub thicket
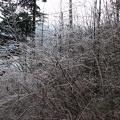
(79, 79)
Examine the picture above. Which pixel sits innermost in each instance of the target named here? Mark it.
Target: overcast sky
(52, 7)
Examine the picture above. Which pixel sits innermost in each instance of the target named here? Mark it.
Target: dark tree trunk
(117, 10)
(34, 21)
(34, 15)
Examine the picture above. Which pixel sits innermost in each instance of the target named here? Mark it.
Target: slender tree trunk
(94, 34)
(34, 21)
(98, 31)
(117, 10)
(70, 13)
(34, 14)
(94, 18)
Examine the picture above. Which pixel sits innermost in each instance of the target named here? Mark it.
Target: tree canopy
(19, 22)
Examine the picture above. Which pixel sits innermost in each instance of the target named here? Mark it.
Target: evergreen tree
(34, 12)
(33, 9)
(22, 23)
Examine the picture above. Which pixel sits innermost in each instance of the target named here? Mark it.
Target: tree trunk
(34, 21)
(117, 10)
(70, 13)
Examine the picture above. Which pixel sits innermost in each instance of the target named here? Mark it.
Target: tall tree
(34, 11)
(8, 24)
(16, 26)
(25, 20)
(116, 5)
(117, 10)
(70, 14)
(97, 20)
